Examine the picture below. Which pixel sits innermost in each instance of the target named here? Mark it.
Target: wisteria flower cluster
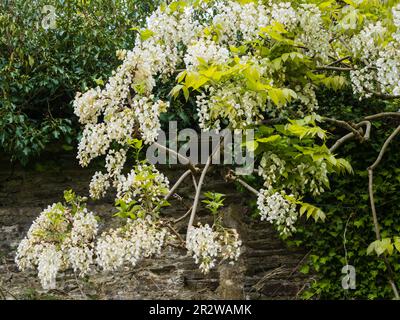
(378, 71)
(207, 244)
(145, 185)
(293, 176)
(135, 240)
(58, 239)
(62, 238)
(277, 210)
(208, 32)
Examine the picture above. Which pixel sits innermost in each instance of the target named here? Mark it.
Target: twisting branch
(383, 115)
(350, 135)
(373, 208)
(199, 185)
(347, 126)
(177, 183)
(368, 126)
(340, 141)
(186, 160)
(230, 176)
(384, 148)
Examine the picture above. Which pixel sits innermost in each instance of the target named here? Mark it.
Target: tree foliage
(42, 69)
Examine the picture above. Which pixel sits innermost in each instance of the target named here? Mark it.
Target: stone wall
(267, 269)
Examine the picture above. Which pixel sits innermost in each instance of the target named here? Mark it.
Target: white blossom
(275, 209)
(128, 244)
(49, 263)
(56, 241)
(206, 245)
(99, 185)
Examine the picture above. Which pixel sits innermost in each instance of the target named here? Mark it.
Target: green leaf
(272, 138)
(397, 243)
(305, 269)
(175, 90)
(31, 61)
(146, 34)
(371, 247)
(185, 93)
(251, 145)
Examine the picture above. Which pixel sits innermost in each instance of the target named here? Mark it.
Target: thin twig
(338, 60)
(177, 234)
(232, 177)
(383, 115)
(335, 68)
(184, 216)
(186, 160)
(177, 183)
(345, 125)
(194, 182)
(199, 185)
(79, 286)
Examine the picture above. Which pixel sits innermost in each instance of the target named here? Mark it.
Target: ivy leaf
(397, 243)
(305, 269)
(372, 246)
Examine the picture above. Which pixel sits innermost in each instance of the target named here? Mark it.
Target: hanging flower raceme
(60, 238)
(277, 210)
(130, 243)
(207, 244)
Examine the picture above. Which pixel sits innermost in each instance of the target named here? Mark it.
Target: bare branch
(199, 185)
(186, 160)
(381, 95)
(184, 216)
(177, 234)
(384, 148)
(347, 126)
(350, 135)
(338, 61)
(367, 125)
(230, 176)
(177, 183)
(373, 209)
(342, 140)
(383, 115)
(335, 68)
(194, 182)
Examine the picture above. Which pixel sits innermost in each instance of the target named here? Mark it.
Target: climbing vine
(256, 65)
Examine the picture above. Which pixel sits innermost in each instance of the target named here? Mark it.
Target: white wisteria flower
(130, 243)
(206, 244)
(275, 209)
(57, 240)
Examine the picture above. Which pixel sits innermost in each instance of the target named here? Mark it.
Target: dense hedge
(42, 69)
